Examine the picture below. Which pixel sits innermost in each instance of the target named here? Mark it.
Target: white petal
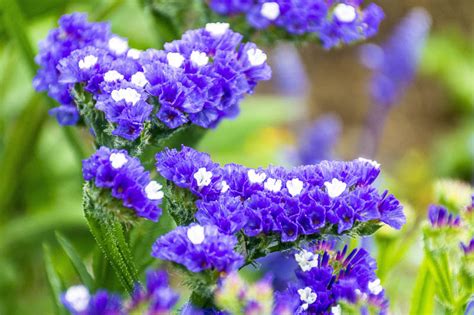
(153, 190)
(118, 160)
(217, 29)
(87, 62)
(294, 186)
(195, 234)
(175, 60)
(256, 57)
(270, 10)
(335, 188)
(78, 298)
(118, 45)
(345, 13)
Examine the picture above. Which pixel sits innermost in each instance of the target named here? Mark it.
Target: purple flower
(78, 301)
(469, 248)
(199, 248)
(439, 217)
(395, 63)
(127, 179)
(300, 201)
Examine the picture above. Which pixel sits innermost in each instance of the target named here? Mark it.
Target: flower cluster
(199, 248)
(156, 298)
(439, 217)
(328, 277)
(330, 196)
(395, 63)
(199, 79)
(334, 22)
(127, 179)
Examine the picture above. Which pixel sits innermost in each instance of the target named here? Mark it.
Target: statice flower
(199, 248)
(199, 79)
(468, 248)
(394, 64)
(126, 179)
(74, 32)
(333, 22)
(439, 217)
(290, 203)
(157, 294)
(78, 301)
(328, 277)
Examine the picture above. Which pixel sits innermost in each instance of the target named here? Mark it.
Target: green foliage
(55, 283)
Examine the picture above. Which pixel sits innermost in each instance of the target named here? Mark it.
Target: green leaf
(54, 281)
(76, 261)
(422, 301)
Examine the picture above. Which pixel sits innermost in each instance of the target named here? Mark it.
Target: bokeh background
(427, 136)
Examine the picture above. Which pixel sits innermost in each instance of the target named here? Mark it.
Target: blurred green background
(429, 135)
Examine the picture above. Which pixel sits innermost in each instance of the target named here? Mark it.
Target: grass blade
(54, 281)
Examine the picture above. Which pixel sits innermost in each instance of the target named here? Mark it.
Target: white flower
(270, 10)
(118, 160)
(225, 187)
(133, 53)
(87, 62)
(295, 186)
(335, 188)
(336, 310)
(129, 95)
(153, 191)
(256, 56)
(175, 59)
(306, 260)
(112, 75)
(371, 162)
(195, 234)
(118, 45)
(375, 287)
(217, 29)
(345, 13)
(255, 178)
(139, 79)
(199, 58)
(203, 177)
(78, 298)
(307, 296)
(272, 184)
(360, 295)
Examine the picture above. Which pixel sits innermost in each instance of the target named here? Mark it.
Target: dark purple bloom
(127, 179)
(199, 248)
(469, 248)
(439, 217)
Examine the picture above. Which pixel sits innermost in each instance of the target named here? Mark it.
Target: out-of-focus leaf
(422, 301)
(54, 280)
(76, 261)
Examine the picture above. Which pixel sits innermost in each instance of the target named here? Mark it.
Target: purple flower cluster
(158, 295)
(74, 32)
(327, 277)
(199, 79)
(334, 22)
(199, 248)
(156, 298)
(439, 217)
(299, 201)
(127, 179)
(395, 63)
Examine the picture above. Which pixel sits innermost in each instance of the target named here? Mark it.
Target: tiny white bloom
(203, 177)
(217, 29)
(360, 295)
(256, 57)
(256, 178)
(375, 287)
(129, 95)
(307, 295)
(133, 53)
(112, 75)
(336, 310)
(78, 298)
(371, 162)
(118, 45)
(306, 260)
(87, 62)
(335, 188)
(196, 234)
(345, 13)
(118, 160)
(272, 184)
(225, 187)
(139, 79)
(153, 190)
(175, 59)
(270, 10)
(199, 58)
(295, 186)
